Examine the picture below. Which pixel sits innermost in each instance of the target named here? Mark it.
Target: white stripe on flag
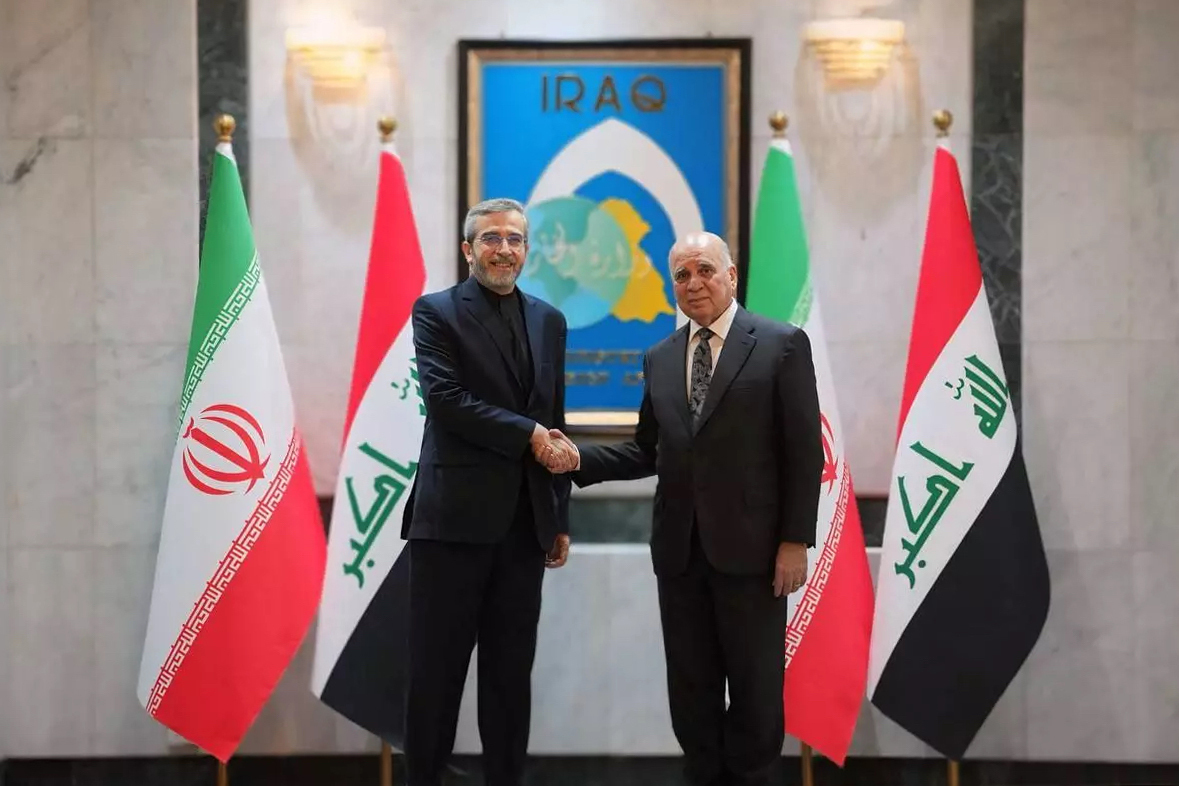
(199, 528)
(943, 422)
(828, 503)
(388, 427)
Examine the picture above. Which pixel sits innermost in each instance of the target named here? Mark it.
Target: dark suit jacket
(748, 474)
(475, 448)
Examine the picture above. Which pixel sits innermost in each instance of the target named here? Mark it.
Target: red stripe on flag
(396, 277)
(823, 688)
(233, 652)
(950, 277)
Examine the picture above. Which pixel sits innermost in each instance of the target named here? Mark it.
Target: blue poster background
(524, 128)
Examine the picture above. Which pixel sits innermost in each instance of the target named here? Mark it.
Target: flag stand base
(952, 773)
(386, 764)
(808, 768)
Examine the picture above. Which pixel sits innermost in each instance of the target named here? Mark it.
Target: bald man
(730, 424)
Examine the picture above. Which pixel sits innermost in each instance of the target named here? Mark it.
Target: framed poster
(615, 148)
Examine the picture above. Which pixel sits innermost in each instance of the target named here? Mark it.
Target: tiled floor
(560, 771)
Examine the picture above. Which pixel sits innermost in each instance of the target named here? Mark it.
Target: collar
(720, 325)
(495, 299)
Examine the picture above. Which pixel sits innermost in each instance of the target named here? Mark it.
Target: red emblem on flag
(830, 464)
(223, 450)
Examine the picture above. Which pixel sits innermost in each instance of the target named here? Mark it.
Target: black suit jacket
(475, 449)
(748, 473)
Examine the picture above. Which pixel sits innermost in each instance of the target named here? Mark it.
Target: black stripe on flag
(976, 626)
(368, 683)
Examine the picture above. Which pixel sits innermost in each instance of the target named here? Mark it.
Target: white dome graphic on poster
(585, 256)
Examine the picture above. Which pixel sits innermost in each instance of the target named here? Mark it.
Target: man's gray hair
(488, 207)
(701, 240)
(726, 257)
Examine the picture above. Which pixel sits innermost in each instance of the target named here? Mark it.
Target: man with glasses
(485, 517)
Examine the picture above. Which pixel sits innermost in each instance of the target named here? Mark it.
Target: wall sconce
(335, 57)
(855, 52)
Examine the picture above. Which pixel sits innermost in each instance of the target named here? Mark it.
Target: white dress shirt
(720, 331)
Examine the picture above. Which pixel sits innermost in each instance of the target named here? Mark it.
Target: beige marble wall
(98, 215)
(98, 233)
(1101, 331)
(98, 223)
(864, 174)
(1101, 372)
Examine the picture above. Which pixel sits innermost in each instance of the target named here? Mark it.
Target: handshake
(554, 450)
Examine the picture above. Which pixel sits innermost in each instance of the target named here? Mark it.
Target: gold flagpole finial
(942, 120)
(386, 125)
(224, 125)
(778, 122)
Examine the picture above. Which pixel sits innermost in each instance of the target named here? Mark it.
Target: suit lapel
(485, 315)
(534, 324)
(734, 353)
(678, 371)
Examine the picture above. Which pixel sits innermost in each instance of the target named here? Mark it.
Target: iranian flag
(241, 552)
(830, 622)
(962, 591)
(360, 656)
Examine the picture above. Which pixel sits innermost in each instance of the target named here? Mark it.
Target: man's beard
(492, 276)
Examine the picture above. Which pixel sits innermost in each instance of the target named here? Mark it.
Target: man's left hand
(789, 568)
(559, 553)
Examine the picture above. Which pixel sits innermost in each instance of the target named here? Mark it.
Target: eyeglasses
(492, 240)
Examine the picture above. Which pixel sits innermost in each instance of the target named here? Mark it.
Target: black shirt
(510, 308)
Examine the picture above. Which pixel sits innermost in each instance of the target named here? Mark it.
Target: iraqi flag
(360, 643)
(962, 591)
(830, 619)
(241, 554)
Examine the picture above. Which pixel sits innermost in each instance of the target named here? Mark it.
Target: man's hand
(554, 450)
(568, 456)
(542, 444)
(559, 553)
(789, 568)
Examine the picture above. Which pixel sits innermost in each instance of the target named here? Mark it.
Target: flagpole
(779, 121)
(386, 764)
(224, 125)
(942, 120)
(386, 125)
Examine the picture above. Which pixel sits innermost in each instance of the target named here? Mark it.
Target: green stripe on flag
(218, 330)
(779, 283)
(229, 272)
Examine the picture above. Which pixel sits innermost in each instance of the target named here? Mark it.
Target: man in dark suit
(729, 422)
(485, 517)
